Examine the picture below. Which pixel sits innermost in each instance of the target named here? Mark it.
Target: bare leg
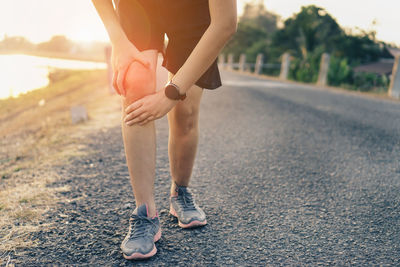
(183, 136)
(140, 141)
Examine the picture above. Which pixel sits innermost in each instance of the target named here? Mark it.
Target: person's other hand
(123, 53)
(148, 108)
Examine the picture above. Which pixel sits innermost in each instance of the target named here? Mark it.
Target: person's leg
(182, 148)
(183, 136)
(140, 141)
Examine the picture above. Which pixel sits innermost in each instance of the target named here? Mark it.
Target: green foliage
(341, 74)
(307, 30)
(359, 49)
(306, 69)
(305, 36)
(255, 27)
(339, 71)
(246, 36)
(371, 82)
(254, 50)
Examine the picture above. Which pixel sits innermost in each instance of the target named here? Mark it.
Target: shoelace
(187, 198)
(140, 226)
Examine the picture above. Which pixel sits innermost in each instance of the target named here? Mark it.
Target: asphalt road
(287, 175)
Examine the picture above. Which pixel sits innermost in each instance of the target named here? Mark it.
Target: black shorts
(184, 21)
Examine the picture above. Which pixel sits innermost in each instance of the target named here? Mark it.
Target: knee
(186, 120)
(139, 82)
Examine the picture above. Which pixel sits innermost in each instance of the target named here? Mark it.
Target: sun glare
(87, 35)
(22, 73)
(13, 68)
(39, 20)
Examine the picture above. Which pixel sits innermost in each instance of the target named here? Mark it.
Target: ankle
(151, 208)
(174, 186)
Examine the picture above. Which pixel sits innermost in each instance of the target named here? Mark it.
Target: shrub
(339, 72)
(365, 81)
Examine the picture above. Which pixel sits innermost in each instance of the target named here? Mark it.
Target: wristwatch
(171, 91)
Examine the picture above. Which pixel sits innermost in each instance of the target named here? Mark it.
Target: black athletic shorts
(184, 21)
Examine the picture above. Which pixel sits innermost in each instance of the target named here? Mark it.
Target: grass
(71, 87)
(22, 207)
(34, 138)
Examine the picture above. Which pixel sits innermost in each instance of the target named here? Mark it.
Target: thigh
(140, 81)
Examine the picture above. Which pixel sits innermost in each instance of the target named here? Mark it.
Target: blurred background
(361, 39)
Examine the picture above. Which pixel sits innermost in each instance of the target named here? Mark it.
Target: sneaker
(185, 209)
(143, 232)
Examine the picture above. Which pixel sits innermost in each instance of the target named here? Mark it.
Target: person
(197, 30)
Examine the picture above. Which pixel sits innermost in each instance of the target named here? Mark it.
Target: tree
(12, 43)
(306, 36)
(258, 16)
(313, 28)
(255, 27)
(359, 49)
(310, 28)
(246, 36)
(58, 43)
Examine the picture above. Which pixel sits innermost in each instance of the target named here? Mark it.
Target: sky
(38, 20)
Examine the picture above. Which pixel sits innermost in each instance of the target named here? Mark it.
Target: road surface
(287, 175)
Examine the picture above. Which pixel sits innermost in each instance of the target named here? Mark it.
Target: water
(21, 73)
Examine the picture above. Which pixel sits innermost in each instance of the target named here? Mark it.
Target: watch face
(171, 92)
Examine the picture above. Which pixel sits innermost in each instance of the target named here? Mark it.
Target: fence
(259, 65)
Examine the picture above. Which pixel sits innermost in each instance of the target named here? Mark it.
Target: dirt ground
(36, 133)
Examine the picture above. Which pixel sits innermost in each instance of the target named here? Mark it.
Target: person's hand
(123, 53)
(148, 108)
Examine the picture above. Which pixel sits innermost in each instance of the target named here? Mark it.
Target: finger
(135, 105)
(121, 79)
(134, 114)
(114, 82)
(143, 121)
(149, 119)
(139, 118)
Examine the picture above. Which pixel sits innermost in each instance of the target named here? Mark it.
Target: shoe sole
(192, 224)
(140, 256)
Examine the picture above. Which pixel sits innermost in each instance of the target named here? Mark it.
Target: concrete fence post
(259, 64)
(242, 62)
(107, 54)
(394, 88)
(285, 66)
(323, 70)
(230, 61)
(221, 61)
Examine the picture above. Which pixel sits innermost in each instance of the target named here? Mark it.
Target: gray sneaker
(143, 232)
(185, 209)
